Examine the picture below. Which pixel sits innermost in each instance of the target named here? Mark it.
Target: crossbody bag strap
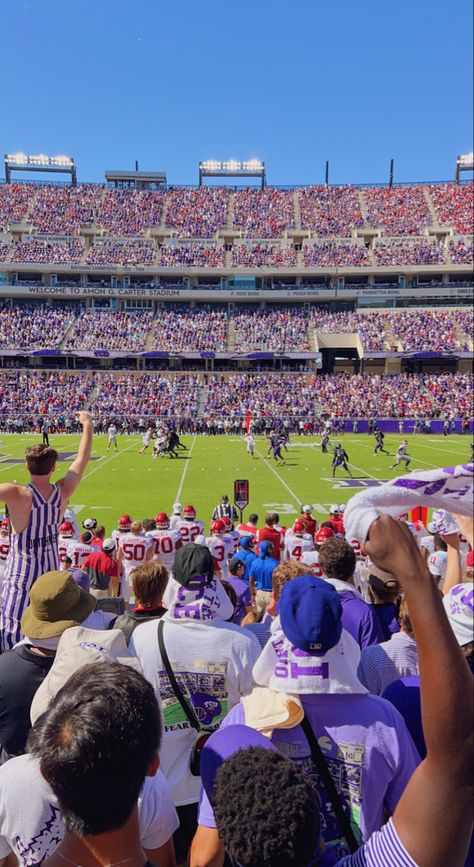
(325, 774)
(190, 714)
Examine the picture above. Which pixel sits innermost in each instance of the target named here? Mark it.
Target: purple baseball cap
(81, 578)
(222, 744)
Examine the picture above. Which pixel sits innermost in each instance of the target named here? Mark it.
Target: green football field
(126, 481)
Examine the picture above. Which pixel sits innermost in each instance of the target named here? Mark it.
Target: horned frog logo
(44, 843)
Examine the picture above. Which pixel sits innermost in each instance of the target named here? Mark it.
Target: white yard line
(185, 470)
(415, 459)
(297, 499)
(101, 464)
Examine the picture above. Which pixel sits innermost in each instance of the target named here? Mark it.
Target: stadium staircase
(313, 341)
(390, 339)
(297, 209)
(363, 206)
(230, 336)
(164, 213)
(431, 208)
(67, 334)
(203, 392)
(230, 212)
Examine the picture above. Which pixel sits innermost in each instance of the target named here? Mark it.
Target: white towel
(288, 669)
(450, 489)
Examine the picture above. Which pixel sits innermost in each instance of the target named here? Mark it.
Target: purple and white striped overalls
(32, 552)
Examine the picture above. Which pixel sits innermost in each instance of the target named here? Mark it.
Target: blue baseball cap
(246, 542)
(311, 614)
(264, 548)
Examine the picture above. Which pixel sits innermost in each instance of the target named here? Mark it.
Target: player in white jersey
(188, 526)
(112, 437)
(166, 541)
(297, 542)
(134, 550)
(176, 516)
(66, 535)
(4, 548)
(250, 443)
(146, 441)
(123, 528)
(401, 455)
(231, 535)
(159, 445)
(78, 549)
(220, 548)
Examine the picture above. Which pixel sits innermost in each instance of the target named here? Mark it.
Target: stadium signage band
(222, 294)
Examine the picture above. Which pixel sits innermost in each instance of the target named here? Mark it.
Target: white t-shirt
(164, 545)
(233, 538)
(295, 546)
(32, 827)
(112, 432)
(189, 529)
(212, 660)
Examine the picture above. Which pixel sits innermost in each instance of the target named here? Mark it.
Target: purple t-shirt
(360, 620)
(244, 599)
(369, 751)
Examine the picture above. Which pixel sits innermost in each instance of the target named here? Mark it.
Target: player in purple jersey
(36, 511)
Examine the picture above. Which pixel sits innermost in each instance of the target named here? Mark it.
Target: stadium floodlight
(211, 165)
(464, 163)
(253, 168)
(39, 163)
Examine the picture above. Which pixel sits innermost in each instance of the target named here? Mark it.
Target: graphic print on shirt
(44, 843)
(345, 767)
(207, 690)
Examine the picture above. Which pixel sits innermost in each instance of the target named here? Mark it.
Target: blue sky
(111, 81)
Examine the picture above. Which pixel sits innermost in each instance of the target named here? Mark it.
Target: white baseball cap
(177, 508)
(459, 606)
(89, 523)
(334, 510)
(307, 509)
(108, 545)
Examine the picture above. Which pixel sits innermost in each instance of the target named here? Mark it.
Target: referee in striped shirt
(224, 510)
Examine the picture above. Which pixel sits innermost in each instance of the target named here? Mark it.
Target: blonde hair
(136, 527)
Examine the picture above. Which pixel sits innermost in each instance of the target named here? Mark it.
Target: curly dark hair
(266, 813)
(337, 559)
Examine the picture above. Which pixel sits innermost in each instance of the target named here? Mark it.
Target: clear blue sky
(170, 83)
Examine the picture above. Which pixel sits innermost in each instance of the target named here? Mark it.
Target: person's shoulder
(236, 634)
(19, 772)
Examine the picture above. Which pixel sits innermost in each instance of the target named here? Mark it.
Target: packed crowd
(194, 255)
(130, 212)
(146, 396)
(333, 254)
(427, 330)
(330, 210)
(263, 254)
(263, 213)
(274, 330)
(461, 251)
(219, 404)
(371, 327)
(45, 252)
(454, 205)
(160, 683)
(400, 396)
(36, 326)
(265, 394)
(404, 251)
(59, 210)
(197, 213)
(112, 331)
(36, 394)
(105, 252)
(189, 329)
(15, 200)
(5, 251)
(398, 210)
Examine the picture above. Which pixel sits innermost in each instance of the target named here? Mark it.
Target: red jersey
(310, 525)
(247, 530)
(268, 534)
